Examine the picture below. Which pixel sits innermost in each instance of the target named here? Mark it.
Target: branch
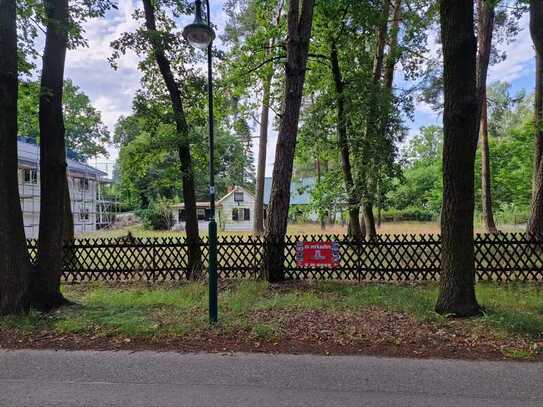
(260, 65)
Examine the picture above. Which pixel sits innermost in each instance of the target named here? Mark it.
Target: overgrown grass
(172, 310)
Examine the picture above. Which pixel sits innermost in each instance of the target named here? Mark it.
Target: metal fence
(499, 257)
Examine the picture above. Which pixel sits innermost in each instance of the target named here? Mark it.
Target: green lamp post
(200, 35)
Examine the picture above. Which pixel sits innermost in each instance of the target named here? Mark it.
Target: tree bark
(460, 117)
(46, 293)
(354, 228)
(189, 195)
(262, 146)
(300, 19)
(486, 186)
(535, 223)
(15, 265)
(369, 220)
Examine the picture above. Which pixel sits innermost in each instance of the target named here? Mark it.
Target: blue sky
(111, 91)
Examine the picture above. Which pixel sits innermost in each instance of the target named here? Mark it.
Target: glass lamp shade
(199, 34)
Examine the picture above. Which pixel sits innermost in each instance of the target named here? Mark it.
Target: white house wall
(228, 205)
(80, 202)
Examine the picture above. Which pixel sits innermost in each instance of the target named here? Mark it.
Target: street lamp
(200, 35)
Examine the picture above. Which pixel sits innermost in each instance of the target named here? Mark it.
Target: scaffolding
(92, 206)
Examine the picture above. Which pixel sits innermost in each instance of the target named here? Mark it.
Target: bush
(158, 215)
(408, 214)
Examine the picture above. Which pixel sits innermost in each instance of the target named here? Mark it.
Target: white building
(235, 212)
(84, 182)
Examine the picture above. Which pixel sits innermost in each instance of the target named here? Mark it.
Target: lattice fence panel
(401, 258)
(499, 257)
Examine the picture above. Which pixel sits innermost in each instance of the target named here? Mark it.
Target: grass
(173, 310)
(297, 229)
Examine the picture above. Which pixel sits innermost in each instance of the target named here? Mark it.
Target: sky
(111, 91)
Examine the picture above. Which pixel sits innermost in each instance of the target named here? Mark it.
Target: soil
(373, 332)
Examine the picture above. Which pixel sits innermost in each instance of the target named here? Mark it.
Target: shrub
(408, 214)
(158, 215)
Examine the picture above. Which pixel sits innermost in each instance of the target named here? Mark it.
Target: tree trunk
(460, 117)
(46, 293)
(318, 170)
(300, 19)
(369, 220)
(372, 121)
(352, 200)
(258, 225)
(70, 256)
(189, 195)
(379, 205)
(14, 259)
(393, 53)
(535, 223)
(262, 146)
(485, 27)
(486, 186)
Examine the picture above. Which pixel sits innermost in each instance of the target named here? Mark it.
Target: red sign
(317, 254)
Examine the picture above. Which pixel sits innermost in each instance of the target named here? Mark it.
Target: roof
(300, 190)
(203, 204)
(29, 154)
(235, 189)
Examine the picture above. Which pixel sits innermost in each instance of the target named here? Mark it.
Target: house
(300, 195)
(84, 182)
(235, 212)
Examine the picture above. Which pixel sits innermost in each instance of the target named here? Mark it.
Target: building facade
(85, 184)
(235, 212)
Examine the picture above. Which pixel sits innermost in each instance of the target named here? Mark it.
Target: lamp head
(199, 34)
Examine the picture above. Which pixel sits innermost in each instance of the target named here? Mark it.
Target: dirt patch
(371, 332)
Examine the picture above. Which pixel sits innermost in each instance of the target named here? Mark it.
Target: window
(84, 214)
(246, 214)
(83, 184)
(201, 213)
(30, 176)
(238, 196)
(235, 215)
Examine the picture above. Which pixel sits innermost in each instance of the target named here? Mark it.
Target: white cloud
(520, 55)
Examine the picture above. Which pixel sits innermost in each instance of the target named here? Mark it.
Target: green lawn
(322, 315)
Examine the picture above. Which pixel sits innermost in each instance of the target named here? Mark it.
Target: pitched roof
(29, 154)
(236, 188)
(300, 190)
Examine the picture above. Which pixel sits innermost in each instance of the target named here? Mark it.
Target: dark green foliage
(158, 215)
(86, 134)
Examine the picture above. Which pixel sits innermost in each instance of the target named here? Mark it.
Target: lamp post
(200, 35)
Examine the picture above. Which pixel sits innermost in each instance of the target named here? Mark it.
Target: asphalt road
(146, 379)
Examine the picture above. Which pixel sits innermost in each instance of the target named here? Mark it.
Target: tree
(191, 220)
(353, 203)
(372, 121)
(14, 259)
(253, 31)
(460, 118)
(85, 133)
(53, 178)
(299, 21)
(485, 27)
(535, 223)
